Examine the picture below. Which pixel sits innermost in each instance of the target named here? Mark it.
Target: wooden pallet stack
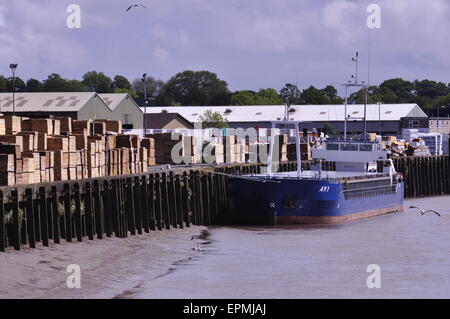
(149, 144)
(36, 150)
(214, 153)
(164, 145)
(230, 148)
(282, 141)
(241, 150)
(305, 152)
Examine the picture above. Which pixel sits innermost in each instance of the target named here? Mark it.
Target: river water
(412, 251)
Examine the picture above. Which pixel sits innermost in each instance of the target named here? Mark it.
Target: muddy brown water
(412, 251)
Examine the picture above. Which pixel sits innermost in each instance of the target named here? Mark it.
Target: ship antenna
(346, 85)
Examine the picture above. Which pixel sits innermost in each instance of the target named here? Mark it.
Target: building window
(414, 124)
(431, 123)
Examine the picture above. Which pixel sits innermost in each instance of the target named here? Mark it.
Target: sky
(250, 44)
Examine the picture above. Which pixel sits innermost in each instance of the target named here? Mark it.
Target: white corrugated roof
(385, 112)
(113, 99)
(308, 113)
(42, 102)
(252, 113)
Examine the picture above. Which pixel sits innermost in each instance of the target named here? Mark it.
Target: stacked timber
(165, 143)
(281, 145)
(305, 152)
(214, 153)
(41, 150)
(241, 150)
(230, 147)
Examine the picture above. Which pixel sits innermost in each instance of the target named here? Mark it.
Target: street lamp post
(13, 68)
(144, 76)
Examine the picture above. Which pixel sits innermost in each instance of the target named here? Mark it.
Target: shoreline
(110, 268)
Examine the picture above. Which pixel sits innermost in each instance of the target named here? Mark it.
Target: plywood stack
(124, 160)
(30, 141)
(2, 126)
(214, 153)
(65, 124)
(305, 152)
(7, 170)
(12, 139)
(263, 153)
(42, 126)
(57, 149)
(281, 141)
(113, 164)
(149, 144)
(13, 124)
(99, 128)
(190, 151)
(230, 148)
(82, 127)
(112, 126)
(241, 151)
(164, 145)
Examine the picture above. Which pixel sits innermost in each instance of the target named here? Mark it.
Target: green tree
(270, 97)
(430, 89)
(313, 95)
(154, 87)
(121, 82)
(290, 94)
(330, 93)
(98, 82)
(244, 97)
(55, 83)
(443, 104)
(211, 119)
(402, 89)
(19, 83)
(75, 86)
(131, 93)
(375, 95)
(34, 85)
(195, 88)
(3, 84)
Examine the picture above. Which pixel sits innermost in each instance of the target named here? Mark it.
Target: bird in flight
(136, 5)
(423, 212)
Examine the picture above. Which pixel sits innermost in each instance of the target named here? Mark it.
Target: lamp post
(13, 68)
(144, 76)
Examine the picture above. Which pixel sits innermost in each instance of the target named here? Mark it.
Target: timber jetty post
(47, 213)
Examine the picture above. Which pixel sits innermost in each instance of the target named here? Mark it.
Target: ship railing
(369, 188)
(368, 191)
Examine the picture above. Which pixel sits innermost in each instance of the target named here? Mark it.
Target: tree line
(200, 88)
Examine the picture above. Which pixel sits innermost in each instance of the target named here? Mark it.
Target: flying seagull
(423, 212)
(135, 5)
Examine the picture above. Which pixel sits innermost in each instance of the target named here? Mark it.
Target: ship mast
(355, 83)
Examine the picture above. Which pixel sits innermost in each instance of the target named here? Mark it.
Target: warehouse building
(428, 125)
(124, 109)
(167, 121)
(77, 105)
(384, 118)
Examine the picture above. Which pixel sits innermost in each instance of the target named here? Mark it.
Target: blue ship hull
(310, 201)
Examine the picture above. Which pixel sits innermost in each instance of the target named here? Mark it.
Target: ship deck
(325, 175)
